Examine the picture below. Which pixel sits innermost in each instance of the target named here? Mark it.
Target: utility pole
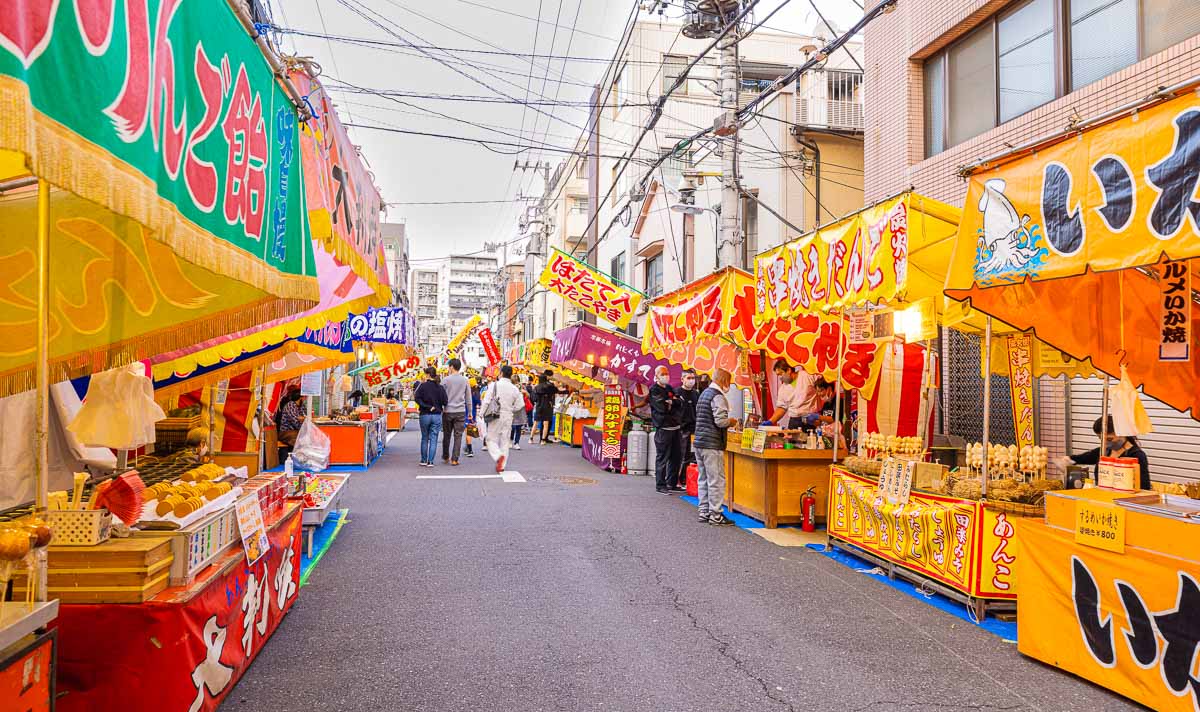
(729, 249)
(709, 18)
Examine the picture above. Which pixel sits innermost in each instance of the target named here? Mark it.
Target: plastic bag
(312, 448)
(1128, 415)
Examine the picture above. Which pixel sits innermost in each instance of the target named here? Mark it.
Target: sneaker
(500, 463)
(704, 517)
(470, 452)
(663, 490)
(677, 488)
(720, 520)
(454, 463)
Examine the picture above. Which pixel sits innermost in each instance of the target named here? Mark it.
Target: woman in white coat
(499, 407)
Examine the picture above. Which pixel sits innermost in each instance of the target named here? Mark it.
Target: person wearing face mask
(666, 412)
(1114, 446)
(690, 396)
(795, 398)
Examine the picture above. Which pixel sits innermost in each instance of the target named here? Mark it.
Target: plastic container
(637, 453)
(693, 480)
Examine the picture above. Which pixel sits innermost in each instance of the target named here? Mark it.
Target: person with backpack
(500, 406)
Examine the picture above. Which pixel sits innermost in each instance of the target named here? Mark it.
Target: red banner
(489, 346)
(185, 648)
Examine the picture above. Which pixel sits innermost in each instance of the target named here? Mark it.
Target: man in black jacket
(666, 412)
(690, 396)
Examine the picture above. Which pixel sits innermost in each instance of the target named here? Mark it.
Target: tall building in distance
(395, 252)
(469, 285)
(511, 288)
(432, 324)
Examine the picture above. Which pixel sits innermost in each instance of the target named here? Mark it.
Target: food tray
(197, 545)
(315, 516)
(1164, 505)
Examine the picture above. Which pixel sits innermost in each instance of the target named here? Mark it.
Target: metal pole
(987, 403)
(1103, 426)
(41, 438)
(212, 420)
(926, 403)
(837, 384)
(729, 243)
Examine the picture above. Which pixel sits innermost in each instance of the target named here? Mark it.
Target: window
(749, 229)
(1040, 50)
(617, 268)
(673, 66)
(612, 200)
(654, 285)
(581, 168)
(579, 205)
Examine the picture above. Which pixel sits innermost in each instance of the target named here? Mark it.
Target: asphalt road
(598, 594)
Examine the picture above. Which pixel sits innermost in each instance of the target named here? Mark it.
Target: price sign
(1100, 525)
(860, 327)
(747, 438)
(760, 441)
(251, 528)
(310, 384)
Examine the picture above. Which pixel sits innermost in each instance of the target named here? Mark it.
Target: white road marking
(458, 477)
(389, 438)
(512, 476)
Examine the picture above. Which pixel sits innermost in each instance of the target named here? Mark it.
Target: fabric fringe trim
(144, 346)
(69, 161)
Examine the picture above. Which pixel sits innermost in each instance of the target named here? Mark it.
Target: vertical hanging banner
(490, 349)
(1175, 333)
(589, 289)
(613, 422)
(461, 336)
(1020, 375)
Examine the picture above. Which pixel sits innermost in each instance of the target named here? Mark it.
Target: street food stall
(616, 360)
(1086, 240)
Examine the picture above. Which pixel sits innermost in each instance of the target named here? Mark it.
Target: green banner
(165, 111)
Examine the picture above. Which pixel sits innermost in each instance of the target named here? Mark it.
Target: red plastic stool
(693, 480)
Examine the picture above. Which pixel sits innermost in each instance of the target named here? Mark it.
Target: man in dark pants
(454, 417)
(690, 396)
(666, 412)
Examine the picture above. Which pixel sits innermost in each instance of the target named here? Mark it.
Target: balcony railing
(830, 99)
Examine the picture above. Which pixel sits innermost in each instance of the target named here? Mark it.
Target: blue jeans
(515, 435)
(431, 428)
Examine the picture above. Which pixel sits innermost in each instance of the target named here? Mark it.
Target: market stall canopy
(616, 353)
(895, 252)
(710, 324)
(342, 291)
(1090, 242)
(175, 214)
(575, 377)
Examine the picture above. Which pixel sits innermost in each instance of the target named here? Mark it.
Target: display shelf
(17, 620)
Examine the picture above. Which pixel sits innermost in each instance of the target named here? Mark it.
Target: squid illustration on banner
(589, 289)
(1020, 375)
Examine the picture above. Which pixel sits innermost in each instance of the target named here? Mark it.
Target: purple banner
(618, 354)
(593, 442)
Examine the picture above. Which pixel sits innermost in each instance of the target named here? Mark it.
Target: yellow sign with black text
(1100, 525)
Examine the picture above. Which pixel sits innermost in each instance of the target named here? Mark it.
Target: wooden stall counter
(768, 485)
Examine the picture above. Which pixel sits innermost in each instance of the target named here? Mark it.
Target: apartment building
(395, 253)
(950, 82)
(424, 292)
(510, 288)
(556, 222)
(813, 127)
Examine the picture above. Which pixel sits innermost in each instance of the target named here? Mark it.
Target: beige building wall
(895, 45)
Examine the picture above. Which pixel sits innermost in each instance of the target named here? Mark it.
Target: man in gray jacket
(712, 423)
(454, 417)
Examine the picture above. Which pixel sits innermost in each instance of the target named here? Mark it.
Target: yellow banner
(537, 352)
(590, 289)
(1048, 240)
(697, 311)
(461, 336)
(1127, 622)
(1020, 381)
(958, 543)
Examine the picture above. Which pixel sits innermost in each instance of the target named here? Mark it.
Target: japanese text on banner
(1175, 334)
(592, 291)
(1020, 373)
(387, 325)
(379, 376)
(490, 349)
(613, 422)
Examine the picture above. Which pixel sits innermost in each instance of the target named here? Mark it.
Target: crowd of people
(461, 410)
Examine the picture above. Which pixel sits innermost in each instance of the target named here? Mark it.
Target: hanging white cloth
(119, 411)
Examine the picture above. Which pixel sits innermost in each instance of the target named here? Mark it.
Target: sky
(411, 169)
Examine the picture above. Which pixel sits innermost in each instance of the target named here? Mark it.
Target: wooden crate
(118, 571)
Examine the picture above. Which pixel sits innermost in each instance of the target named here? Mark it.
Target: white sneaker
(516, 446)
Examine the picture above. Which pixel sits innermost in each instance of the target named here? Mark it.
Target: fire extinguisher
(808, 510)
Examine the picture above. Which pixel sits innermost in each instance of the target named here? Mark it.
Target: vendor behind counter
(796, 397)
(1114, 446)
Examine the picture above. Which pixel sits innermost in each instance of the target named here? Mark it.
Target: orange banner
(1020, 380)
(708, 324)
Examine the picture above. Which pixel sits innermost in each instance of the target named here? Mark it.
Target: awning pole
(837, 384)
(42, 428)
(1103, 425)
(987, 403)
(926, 402)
